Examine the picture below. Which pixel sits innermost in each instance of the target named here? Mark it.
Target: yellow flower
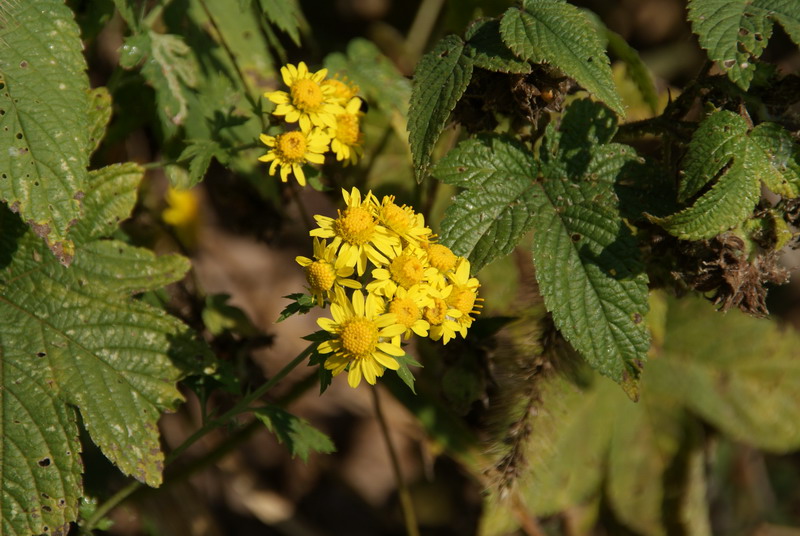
(357, 233)
(291, 150)
(462, 295)
(407, 306)
(440, 317)
(325, 272)
(408, 225)
(362, 338)
(441, 257)
(308, 100)
(183, 213)
(342, 90)
(408, 268)
(346, 135)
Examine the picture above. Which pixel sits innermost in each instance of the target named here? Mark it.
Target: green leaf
(297, 434)
(126, 10)
(110, 198)
(723, 145)
(199, 153)
(286, 15)
(733, 33)
(782, 154)
(785, 12)
(637, 69)
(44, 130)
(555, 32)
(490, 218)
(301, 304)
(488, 51)
(738, 372)
(404, 372)
(441, 77)
(99, 115)
(75, 338)
(719, 138)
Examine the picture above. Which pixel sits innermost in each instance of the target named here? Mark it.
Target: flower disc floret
(325, 273)
(355, 225)
(407, 270)
(359, 337)
(291, 150)
(307, 95)
(320, 276)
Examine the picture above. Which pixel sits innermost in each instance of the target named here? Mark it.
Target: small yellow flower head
(342, 92)
(441, 257)
(308, 101)
(402, 220)
(357, 233)
(440, 317)
(407, 307)
(346, 136)
(324, 273)
(183, 213)
(364, 338)
(407, 269)
(462, 295)
(291, 150)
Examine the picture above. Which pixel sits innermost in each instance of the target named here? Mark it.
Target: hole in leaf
(637, 318)
(19, 135)
(576, 237)
(45, 496)
(2, 85)
(36, 183)
(41, 354)
(4, 176)
(2, 112)
(44, 462)
(46, 508)
(62, 502)
(23, 64)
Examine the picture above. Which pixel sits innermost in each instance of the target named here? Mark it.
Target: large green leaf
(552, 31)
(733, 371)
(736, 32)
(587, 261)
(43, 119)
(490, 218)
(76, 338)
(440, 79)
(489, 52)
(723, 150)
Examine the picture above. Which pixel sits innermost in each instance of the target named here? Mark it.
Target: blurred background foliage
(186, 77)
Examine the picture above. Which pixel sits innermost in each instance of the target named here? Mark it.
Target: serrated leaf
(199, 154)
(297, 434)
(99, 115)
(440, 79)
(404, 372)
(126, 10)
(81, 341)
(560, 34)
(785, 12)
(43, 120)
(733, 34)
(301, 304)
(719, 138)
(490, 218)
(782, 155)
(488, 51)
(110, 198)
(286, 15)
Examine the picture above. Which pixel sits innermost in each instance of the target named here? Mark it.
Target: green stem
(406, 504)
(240, 407)
(421, 28)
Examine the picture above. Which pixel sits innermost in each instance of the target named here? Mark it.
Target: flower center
(462, 299)
(320, 275)
(347, 129)
(437, 313)
(405, 310)
(441, 257)
(355, 225)
(292, 146)
(306, 94)
(395, 217)
(407, 270)
(341, 90)
(359, 337)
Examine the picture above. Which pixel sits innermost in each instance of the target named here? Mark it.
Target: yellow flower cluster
(328, 115)
(416, 286)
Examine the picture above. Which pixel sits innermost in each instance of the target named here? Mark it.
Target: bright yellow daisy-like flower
(291, 150)
(346, 136)
(324, 272)
(362, 339)
(440, 317)
(462, 295)
(343, 91)
(407, 269)
(308, 100)
(357, 233)
(407, 306)
(402, 220)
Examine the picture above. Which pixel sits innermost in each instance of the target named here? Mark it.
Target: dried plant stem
(409, 517)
